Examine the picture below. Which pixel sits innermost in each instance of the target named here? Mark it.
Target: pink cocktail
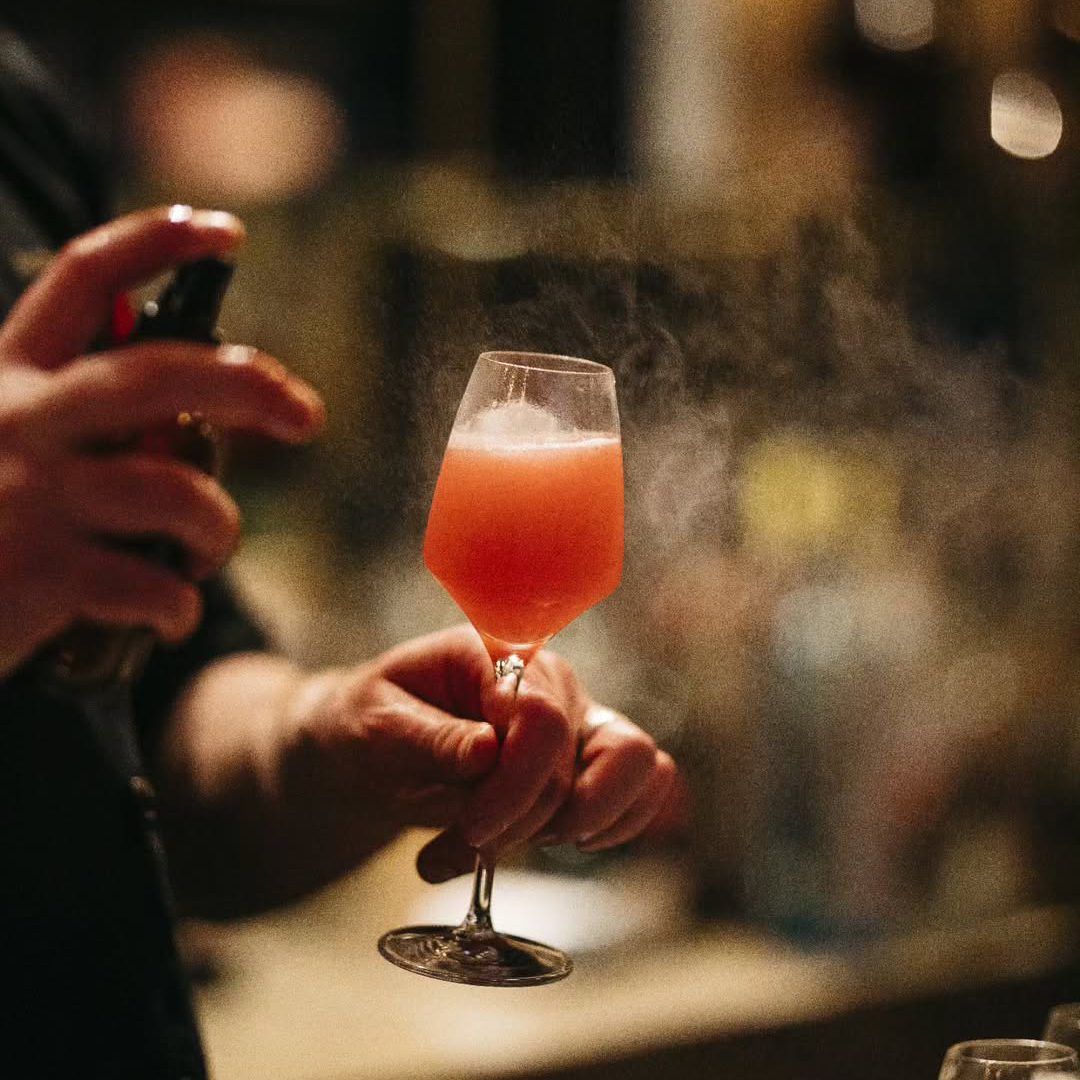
(527, 536)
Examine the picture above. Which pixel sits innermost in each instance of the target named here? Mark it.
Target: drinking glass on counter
(1009, 1059)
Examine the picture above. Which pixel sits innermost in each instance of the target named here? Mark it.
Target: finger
(450, 854)
(618, 760)
(406, 736)
(640, 814)
(144, 495)
(141, 385)
(538, 743)
(446, 856)
(675, 815)
(62, 312)
(553, 796)
(449, 669)
(120, 589)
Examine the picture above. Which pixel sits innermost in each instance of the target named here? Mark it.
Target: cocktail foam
(519, 424)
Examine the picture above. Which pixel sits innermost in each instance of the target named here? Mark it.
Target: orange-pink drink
(527, 536)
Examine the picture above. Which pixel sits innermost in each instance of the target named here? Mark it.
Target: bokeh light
(1025, 117)
(209, 119)
(897, 25)
(1065, 16)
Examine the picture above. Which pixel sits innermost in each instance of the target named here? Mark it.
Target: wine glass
(1063, 1025)
(525, 533)
(1009, 1059)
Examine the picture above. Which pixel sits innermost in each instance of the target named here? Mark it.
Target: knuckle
(634, 750)
(381, 725)
(23, 392)
(164, 369)
(87, 259)
(99, 377)
(555, 672)
(446, 743)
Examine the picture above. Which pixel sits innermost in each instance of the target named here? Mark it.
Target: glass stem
(478, 919)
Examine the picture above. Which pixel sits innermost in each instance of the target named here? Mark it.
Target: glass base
(477, 957)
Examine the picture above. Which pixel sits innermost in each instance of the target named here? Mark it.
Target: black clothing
(50, 181)
(92, 986)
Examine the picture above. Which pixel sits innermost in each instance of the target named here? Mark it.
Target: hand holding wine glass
(525, 533)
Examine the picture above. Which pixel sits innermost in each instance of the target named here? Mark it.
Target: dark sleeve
(51, 174)
(226, 628)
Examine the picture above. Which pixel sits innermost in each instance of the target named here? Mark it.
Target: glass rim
(557, 362)
(989, 1051)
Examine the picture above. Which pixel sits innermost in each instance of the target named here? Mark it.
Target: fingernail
(217, 219)
(212, 219)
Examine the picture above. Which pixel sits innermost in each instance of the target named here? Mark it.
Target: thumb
(432, 746)
(445, 856)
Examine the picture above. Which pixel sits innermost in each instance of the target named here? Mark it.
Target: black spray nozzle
(190, 304)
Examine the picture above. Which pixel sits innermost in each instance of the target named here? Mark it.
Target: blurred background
(832, 250)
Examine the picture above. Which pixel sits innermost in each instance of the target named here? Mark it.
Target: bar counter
(304, 995)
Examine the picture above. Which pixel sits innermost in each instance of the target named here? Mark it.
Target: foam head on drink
(526, 525)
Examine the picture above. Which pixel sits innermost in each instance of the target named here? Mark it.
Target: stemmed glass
(1009, 1059)
(525, 533)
